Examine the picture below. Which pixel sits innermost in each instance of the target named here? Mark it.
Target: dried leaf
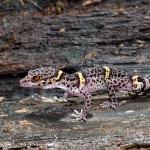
(140, 42)
(90, 54)
(114, 14)
(147, 17)
(62, 30)
(121, 45)
(8, 126)
(22, 3)
(1, 116)
(88, 2)
(2, 98)
(25, 122)
(23, 110)
(135, 70)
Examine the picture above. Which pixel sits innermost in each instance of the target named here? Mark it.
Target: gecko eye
(36, 78)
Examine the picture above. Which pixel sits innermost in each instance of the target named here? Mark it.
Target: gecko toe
(79, 115)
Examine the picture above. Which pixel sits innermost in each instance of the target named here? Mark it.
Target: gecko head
(39, 78)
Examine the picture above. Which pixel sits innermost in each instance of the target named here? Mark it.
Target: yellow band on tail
(137, 86)
(82, 80)
(135, 78)
(107, 72)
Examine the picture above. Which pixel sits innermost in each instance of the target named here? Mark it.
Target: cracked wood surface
(47, 124)
(99, 34)
(117, 34)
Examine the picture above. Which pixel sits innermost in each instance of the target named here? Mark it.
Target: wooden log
(95, 35)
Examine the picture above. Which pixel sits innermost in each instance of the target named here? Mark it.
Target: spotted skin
(82, 84)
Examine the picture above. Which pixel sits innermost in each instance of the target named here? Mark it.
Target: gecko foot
(112, 105)
(79, 115)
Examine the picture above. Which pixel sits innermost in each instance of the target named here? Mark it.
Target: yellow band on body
(58, 76)
(82, 80)
(135, 78)
(107, 73)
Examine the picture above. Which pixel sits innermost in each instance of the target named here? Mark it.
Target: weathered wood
(98, 34)
(48, 126)
(95, 35)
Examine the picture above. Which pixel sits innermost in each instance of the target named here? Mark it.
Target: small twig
(5, 2)
(35, 4)
(135, 145)
(21, 1)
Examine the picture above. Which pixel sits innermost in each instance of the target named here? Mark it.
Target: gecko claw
(79, 116)
(112, 105)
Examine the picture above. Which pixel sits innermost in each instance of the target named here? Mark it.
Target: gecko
(83, 83)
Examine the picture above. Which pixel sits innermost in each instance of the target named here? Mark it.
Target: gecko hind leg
(66, 96)
(112, 103)
(109, 104)
(87, 104)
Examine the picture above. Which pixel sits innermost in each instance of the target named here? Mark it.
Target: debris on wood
(89, 2)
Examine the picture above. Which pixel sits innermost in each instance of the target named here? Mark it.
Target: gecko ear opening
(36, 78)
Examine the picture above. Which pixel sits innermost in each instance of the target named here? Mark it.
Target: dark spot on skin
(92, 71)
(88, 105)
(53, 80)
(115, 82)
(111, 95)
(84, 94)
(88, 101)
(63, 83)
(122, 81)
(94, 75)
(92, 80)
(49, 82)
(114, 100)
(72, 79)
(111, 83)
(119, 74)
(67, 78)
(124, 85)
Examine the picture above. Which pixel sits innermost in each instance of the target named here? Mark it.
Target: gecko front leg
(87, 104)
(66, 96)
